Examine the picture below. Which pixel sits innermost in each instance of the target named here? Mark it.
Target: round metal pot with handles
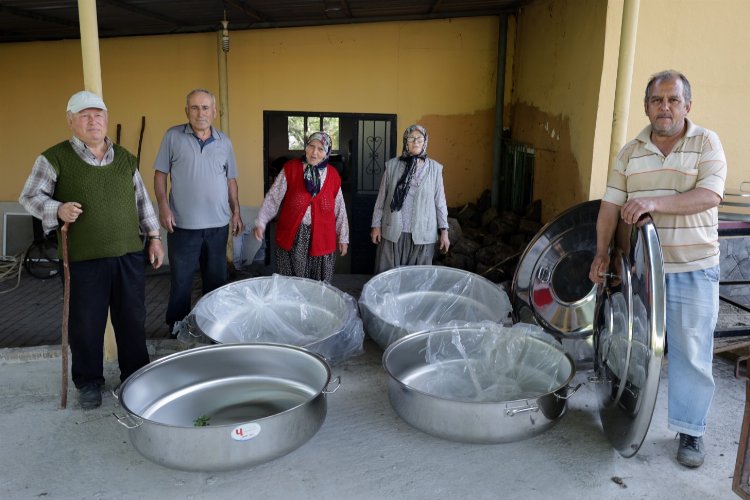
(479, 383)
(281, 309)
(224, 407)
(411, 299)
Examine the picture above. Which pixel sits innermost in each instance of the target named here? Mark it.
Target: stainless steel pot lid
(629, 334)
(551, 285)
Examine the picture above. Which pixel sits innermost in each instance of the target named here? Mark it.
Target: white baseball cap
(84, 100)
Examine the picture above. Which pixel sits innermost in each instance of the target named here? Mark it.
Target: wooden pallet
(735, 349)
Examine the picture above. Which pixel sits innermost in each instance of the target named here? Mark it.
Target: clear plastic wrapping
(280, 309)
(488, 362)
(409, 299)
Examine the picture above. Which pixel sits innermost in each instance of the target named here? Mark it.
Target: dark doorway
(362, 144)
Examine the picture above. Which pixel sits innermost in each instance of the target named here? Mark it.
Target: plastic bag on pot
(281, 309)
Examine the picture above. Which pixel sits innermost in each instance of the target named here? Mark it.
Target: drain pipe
(497, 146)
(624, 78)
(92, 81)
(223, 49)
(223, 85)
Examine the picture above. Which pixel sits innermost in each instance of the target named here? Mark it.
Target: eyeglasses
(417, 140)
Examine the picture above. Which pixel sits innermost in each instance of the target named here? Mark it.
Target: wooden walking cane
(66, 310)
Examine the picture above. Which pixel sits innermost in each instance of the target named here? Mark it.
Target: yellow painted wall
(438, 73)
(561, 76)
(708, 41)
(565, 71)
(557, 73)
(141, 76)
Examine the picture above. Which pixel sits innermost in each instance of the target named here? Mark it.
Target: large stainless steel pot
(410, 299)
(259, 401)
(481, 383)
(281, 309)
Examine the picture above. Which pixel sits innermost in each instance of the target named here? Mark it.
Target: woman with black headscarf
(410, 209)
(312, 215)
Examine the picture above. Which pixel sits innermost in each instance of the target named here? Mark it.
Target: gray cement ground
(363, 450)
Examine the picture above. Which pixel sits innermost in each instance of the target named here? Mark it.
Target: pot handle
(337, 380)
(512, 412)
(569, 394)
(130, 419)
(189, 327)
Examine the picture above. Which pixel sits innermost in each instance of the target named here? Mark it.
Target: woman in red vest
(312, 215)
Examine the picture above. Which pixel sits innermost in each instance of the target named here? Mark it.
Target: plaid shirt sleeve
(36, 196)
(146, 214)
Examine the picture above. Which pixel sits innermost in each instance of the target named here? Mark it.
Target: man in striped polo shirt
(675, 171)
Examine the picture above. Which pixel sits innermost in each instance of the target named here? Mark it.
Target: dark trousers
(188, 249)
(117, 285)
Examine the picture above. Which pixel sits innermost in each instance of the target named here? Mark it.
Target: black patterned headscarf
(404, 182)
(312, 172)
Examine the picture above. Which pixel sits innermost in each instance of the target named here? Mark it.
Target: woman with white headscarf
(410, 213)
(312, 216)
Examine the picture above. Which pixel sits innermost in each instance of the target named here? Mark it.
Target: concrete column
(92, 81)
(624, 78)
(92, 70)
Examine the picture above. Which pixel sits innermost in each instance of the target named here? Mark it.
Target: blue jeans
(692, 311)
(189, 249)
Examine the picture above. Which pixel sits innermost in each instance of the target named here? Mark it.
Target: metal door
(374, 144)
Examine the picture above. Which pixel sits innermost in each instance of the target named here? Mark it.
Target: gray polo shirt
(199, 195)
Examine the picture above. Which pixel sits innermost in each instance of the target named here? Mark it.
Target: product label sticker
(245, 431)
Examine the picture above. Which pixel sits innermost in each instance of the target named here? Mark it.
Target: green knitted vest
(108, 226)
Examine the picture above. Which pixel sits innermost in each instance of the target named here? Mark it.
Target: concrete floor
(363, 450)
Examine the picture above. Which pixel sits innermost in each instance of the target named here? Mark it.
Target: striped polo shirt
(688, 242)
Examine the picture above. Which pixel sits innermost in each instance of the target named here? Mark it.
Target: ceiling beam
(249, 11)
(39, 17)
(345, 6)
(435, 6)
(378, 19)
(144, 12)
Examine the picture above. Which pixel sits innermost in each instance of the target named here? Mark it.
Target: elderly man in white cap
(93, 185)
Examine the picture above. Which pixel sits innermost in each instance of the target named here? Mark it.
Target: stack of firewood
(487, 242)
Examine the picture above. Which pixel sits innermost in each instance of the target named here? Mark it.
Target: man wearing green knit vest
(94, 185)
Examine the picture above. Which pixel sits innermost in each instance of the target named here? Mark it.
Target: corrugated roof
(30, 20)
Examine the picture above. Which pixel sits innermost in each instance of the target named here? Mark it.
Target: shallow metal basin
(409, 299)
(225, 407)
(281, 309)
(479, 383)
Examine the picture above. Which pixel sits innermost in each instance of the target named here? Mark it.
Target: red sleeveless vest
(296, 201)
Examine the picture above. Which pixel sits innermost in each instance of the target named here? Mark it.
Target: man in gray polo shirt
(203, 201)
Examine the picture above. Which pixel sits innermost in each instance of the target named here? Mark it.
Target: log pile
(487, 242)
